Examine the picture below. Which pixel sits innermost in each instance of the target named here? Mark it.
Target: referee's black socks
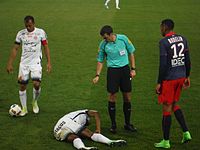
(112, 112)
(127, 112)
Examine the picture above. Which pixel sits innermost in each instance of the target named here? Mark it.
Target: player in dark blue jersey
(174, 71)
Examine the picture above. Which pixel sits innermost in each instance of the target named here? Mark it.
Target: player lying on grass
(73, 125)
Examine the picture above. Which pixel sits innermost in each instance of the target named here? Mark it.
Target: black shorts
(118, 77)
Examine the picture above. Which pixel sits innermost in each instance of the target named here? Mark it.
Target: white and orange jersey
(31, 45)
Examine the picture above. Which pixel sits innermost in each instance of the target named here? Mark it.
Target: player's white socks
(78, 143)
(23, 98)
(117, 3)
(107, 1)
(100, 138)
(36, 93)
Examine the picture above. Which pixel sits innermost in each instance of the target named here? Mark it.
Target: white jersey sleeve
(43, 35)
(18, 38)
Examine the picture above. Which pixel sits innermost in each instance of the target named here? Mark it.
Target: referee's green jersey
(116, 53)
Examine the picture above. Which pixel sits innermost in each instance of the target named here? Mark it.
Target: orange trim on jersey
(170, 34)
(44, 42)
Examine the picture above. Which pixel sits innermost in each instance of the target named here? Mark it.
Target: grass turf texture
(73, 33)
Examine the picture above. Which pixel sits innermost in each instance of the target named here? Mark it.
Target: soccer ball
(15, 110)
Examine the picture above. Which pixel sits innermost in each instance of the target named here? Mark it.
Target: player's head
(106, 32)
(29, 23)
(166, 26)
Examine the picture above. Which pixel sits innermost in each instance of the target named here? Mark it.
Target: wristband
(132, 68)
(97, 75)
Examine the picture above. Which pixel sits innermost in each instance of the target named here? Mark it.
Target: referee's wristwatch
(133, 68)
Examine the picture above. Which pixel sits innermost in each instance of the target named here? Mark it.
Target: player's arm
(98, 71)
(131, 49)
(47, 54)
(162, 67)
(132, 63)
(95, 114)
(12, 57)
(188, 68)
(100, 59)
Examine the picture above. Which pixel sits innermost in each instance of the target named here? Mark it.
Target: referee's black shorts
(118, 78)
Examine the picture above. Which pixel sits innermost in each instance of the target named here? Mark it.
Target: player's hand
(96, 79)
(186, 84)
(132, 73)
(48, 67)
(158, 88)
(9, 68)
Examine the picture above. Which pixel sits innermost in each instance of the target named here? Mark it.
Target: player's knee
(112, 97)
(166, 113)
(36, 85)
(72, 137)
(167, 108)
(22, 87)
(127, 99)
(63, 134)
(175, 108)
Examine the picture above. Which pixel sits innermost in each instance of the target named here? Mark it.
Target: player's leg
(113, 81)
(166, 124)
(23, 99)
(126, 88)
(23, 78)
(127, 112)
(106, 3)
(36, 94)
(77, 142)
(181, 120)
(179, 114)
(36, 75)
(112, 111)
(97, 137)
(117, 4)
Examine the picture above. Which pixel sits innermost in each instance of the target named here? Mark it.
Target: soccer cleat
(35, 107)
(186, 137)
(162, 144)
(23, 112)
(106, 6)
(117, 8)
(117, 143)
(130, 127)
(88, 148)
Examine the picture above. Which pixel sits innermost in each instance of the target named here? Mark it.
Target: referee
(118, 50)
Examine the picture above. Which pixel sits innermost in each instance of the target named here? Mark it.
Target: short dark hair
(106, 29)
(169, 23)
(27, 18)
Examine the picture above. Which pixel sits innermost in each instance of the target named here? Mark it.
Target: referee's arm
(132, 63)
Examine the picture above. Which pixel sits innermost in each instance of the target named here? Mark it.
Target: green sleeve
(130, 47)
(101, 52)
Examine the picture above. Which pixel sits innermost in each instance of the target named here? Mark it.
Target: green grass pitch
(73, 33)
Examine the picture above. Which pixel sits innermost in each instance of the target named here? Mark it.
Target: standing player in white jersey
(32, 39)
(73, 125)
(116, 2)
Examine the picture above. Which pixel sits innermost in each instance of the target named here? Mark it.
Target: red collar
(170, 34)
